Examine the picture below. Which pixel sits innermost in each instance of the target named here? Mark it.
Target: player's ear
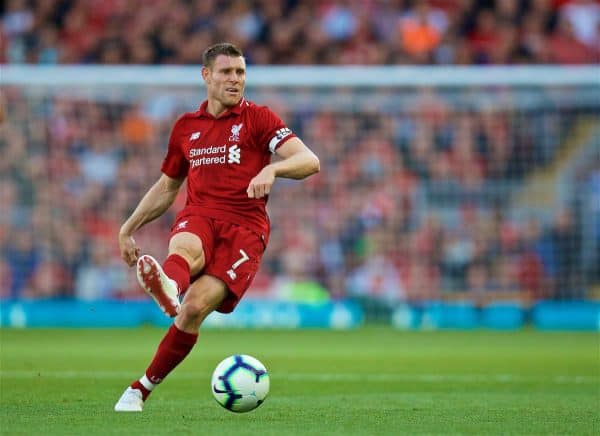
(205, 73)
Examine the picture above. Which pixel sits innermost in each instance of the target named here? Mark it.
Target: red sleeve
(271, 131)
(175, 164)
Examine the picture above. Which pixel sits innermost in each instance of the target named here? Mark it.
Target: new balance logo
(234, 154)
(194, 136)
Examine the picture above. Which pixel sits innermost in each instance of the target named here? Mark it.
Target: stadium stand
(72, 167)
(329, 31)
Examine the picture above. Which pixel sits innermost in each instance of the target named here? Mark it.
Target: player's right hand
(129, 251)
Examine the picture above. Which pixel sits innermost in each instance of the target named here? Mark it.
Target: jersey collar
(236, 110)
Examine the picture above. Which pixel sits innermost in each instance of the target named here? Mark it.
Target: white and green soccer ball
(240, 383)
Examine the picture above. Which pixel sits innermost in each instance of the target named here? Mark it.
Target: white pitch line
(347, 377)
(435, 378)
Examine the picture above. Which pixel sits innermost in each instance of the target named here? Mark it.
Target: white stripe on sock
(147, 383)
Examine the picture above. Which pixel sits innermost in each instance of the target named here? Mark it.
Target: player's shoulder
(183, 118)
(186, 116)
(256, 110)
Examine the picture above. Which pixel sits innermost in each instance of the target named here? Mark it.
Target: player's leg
(226, 278)
(204, 295)
(186, 258)
(165, 283)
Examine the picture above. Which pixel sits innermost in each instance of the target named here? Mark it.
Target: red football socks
(177, 268)
(171, 351)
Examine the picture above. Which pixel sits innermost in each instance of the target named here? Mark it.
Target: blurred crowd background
(424, 194)
(327, 31)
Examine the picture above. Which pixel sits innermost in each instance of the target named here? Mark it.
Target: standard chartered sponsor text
(211, 149)
(205, 160)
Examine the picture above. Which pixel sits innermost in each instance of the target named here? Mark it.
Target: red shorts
(232, 253)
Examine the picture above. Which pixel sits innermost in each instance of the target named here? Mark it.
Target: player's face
(226, 79)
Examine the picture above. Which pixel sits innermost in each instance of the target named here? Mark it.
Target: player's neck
(216, 108)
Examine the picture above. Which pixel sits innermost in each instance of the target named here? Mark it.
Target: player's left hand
(260, 185)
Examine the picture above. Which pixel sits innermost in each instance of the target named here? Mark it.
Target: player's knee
(204, 296)
(194, 310)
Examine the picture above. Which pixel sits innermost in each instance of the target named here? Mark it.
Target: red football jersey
(219, 157)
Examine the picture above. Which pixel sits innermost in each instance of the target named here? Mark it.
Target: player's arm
(154, 203)
(297, 162)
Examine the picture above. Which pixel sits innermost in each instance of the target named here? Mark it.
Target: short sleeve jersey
(219, 157)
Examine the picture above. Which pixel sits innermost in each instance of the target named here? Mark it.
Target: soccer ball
(240, 383)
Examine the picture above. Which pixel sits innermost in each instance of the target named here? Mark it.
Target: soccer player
(224, 150)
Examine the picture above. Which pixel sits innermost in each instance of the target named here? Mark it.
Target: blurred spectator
(22, 258)
(48, 281)
(584, 17)
(99, 159)
(296, 282)
(18, 18)
(338, 20)
(136, 128)
(565, 48)
(477, 280)
(565, 241)
(17, 21)
(6, 278)
(486, 37)
(506, 277)
(103, 276)
(377, 277)
(421, 279)
(421, 30)
(531, 267)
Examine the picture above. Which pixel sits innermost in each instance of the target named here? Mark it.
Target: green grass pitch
(369, 381)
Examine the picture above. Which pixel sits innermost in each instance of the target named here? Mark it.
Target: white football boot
(130, 401)
(158, 285)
